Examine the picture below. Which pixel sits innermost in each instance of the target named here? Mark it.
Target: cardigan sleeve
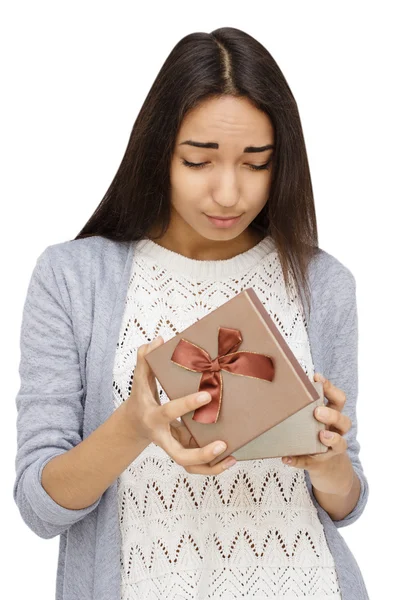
(341, 368)
(49, 401)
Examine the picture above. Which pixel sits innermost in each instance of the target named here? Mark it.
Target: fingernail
(321, 378)
(203, 397)
(322, 412)
(229, 463)
(219, 448)
(327, 434)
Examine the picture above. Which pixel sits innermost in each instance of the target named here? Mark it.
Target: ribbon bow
(193, 358)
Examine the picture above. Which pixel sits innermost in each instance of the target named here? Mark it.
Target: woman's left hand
(320, 465)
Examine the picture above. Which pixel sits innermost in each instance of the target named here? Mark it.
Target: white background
(74, 76)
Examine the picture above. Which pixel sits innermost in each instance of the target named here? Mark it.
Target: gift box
(262, 400)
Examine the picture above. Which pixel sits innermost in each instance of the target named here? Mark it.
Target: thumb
(153, 344)
(156, 342)
(151, 378)
(144, 350)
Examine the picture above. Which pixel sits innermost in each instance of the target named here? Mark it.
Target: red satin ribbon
(192, 357)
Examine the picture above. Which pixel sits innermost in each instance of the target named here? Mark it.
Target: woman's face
(228, 183)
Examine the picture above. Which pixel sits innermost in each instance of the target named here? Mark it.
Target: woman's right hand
(153, 422)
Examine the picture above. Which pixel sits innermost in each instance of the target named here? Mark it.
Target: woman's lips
(223, 223)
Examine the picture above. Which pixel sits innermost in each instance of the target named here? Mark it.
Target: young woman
(213, 195)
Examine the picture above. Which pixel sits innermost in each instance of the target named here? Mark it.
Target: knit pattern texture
(252, 531)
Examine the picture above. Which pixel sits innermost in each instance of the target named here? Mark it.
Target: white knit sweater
(250, 532)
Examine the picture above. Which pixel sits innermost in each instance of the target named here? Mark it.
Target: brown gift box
(262, 400)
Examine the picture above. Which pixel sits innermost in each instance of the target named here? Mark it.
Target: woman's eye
(260, 167)
(193, 165)
(265, 166)
(201, 165)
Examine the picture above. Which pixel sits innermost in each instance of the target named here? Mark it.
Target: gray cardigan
(70, 325)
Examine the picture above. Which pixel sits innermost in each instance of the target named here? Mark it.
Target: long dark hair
(226, 61)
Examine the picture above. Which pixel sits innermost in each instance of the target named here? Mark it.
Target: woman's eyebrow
(215, 146)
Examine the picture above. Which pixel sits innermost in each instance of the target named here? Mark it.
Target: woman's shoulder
(87, 253)
(332, 286)
(326, 268)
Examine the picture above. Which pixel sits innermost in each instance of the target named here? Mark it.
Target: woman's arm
(340, 504)
(338, 341)
(59, 477)
(77, 478)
